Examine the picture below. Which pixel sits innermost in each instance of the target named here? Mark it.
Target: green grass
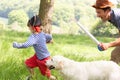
(77, 47)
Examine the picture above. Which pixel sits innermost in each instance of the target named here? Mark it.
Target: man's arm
(115, 43)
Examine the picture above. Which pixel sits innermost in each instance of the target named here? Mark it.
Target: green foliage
(30, 6)
(65, 11)
(104, 29)
(18, 15)
(68, 11)
(64, 14)
(118, 5)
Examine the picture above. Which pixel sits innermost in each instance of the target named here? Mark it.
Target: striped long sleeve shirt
(38, 41)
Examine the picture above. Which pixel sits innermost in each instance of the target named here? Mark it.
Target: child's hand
(51, 41)
(15, 44)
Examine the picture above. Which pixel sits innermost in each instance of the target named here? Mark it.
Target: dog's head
(55, 62)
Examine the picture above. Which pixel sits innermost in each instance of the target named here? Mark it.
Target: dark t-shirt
(115, 18)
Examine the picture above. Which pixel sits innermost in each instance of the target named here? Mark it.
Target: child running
(38, 40)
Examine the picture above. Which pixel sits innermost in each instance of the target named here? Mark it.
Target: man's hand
(104, 46)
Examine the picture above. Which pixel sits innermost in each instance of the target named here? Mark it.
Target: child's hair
(34, 21)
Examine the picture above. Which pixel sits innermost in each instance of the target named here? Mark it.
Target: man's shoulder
(116, 10)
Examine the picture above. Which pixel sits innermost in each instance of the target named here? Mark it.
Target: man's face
(102, 14)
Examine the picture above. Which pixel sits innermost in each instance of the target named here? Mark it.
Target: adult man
(106, 13)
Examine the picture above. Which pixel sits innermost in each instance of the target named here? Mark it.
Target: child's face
(31, 29)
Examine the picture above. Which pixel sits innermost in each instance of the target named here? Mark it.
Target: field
(77, 47)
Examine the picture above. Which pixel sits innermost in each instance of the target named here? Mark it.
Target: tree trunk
(45, 13)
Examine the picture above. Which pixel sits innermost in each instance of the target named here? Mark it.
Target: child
(38, 40)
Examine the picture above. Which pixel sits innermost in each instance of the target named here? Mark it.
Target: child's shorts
(33, 62)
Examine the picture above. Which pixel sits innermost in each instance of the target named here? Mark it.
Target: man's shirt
(115, 18)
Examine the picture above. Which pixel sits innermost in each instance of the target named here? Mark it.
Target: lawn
(77, 47)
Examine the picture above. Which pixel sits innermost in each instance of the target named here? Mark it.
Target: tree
(45, 13)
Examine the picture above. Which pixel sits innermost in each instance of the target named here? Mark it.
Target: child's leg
(30, 64)
(52, 78)
(44, 70)
(30, 70)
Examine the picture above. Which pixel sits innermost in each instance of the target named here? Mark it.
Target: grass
(77, 47)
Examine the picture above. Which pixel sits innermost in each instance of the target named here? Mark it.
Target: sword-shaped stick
(90, 35)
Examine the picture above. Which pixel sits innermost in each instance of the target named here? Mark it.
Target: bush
(18, 15)
(104, 29)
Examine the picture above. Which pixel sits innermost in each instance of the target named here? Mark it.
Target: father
(106, 13)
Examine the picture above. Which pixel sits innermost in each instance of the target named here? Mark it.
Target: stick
(90, 35)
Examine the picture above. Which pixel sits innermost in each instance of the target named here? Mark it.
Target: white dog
(96, 70)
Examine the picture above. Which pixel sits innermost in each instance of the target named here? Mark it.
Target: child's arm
(28, 43)
(51, 41)
(49, 38)
(20, 45)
